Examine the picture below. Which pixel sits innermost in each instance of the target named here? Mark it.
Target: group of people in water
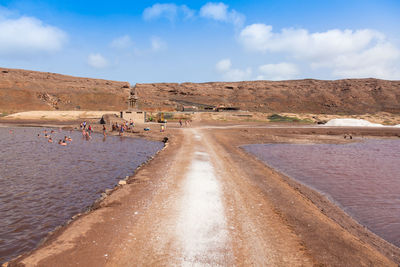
(62, 142)
(87, 131)
(121, 128)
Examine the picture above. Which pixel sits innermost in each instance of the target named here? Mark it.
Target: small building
(134, 115)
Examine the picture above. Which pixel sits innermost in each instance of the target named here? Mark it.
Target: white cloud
(217, 11)
(187, 12)
(221, 12)
(157, 44)
(378, 61)
(168, 11)
(27, 36)
(346, 53)
(280, 71)
(122, 42)
(97, 61)
(224, 67)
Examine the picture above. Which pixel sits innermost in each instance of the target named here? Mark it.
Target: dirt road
(196, 204)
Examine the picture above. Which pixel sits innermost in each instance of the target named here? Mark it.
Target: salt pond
(43, 184)
(362, 178)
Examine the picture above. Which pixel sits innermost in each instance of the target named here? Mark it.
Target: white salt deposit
(202, 226)
(355, 123)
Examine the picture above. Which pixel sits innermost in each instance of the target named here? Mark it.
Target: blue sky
(199, 41)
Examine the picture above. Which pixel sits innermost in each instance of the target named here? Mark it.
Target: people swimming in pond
(50, 140)
(62, 142)
(46, 136)
(69, 138)
(88, 136)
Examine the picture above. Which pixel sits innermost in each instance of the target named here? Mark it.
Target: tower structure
(132, 100)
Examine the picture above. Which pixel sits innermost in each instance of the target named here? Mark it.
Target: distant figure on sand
(180, 122)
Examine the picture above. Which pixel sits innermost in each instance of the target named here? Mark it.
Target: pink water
(43, 184)
(362, 178)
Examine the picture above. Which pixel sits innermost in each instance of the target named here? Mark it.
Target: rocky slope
(353, 96)
(22, 90)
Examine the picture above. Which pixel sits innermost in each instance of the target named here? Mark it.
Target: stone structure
(133, 113)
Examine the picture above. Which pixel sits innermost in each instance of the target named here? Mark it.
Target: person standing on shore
(121, 131)
(104, 130)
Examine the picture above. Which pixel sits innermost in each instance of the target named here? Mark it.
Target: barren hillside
(306, 96)
(22, 90)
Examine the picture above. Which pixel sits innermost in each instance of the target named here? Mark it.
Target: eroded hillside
(22, 90)
(305, 96)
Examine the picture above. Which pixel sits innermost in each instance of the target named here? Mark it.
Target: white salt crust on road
(202, 227)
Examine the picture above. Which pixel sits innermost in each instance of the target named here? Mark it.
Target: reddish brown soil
(22, 90)
(350, 96)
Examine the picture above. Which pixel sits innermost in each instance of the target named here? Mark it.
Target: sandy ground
(58, 115)
(203, 201)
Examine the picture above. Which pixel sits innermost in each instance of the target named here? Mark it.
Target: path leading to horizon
(201, 212)
(203, 217)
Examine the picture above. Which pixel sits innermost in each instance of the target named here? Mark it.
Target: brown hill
(353, 96)
(22, 90)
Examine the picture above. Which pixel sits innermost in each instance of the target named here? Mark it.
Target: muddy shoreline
(231, 139)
